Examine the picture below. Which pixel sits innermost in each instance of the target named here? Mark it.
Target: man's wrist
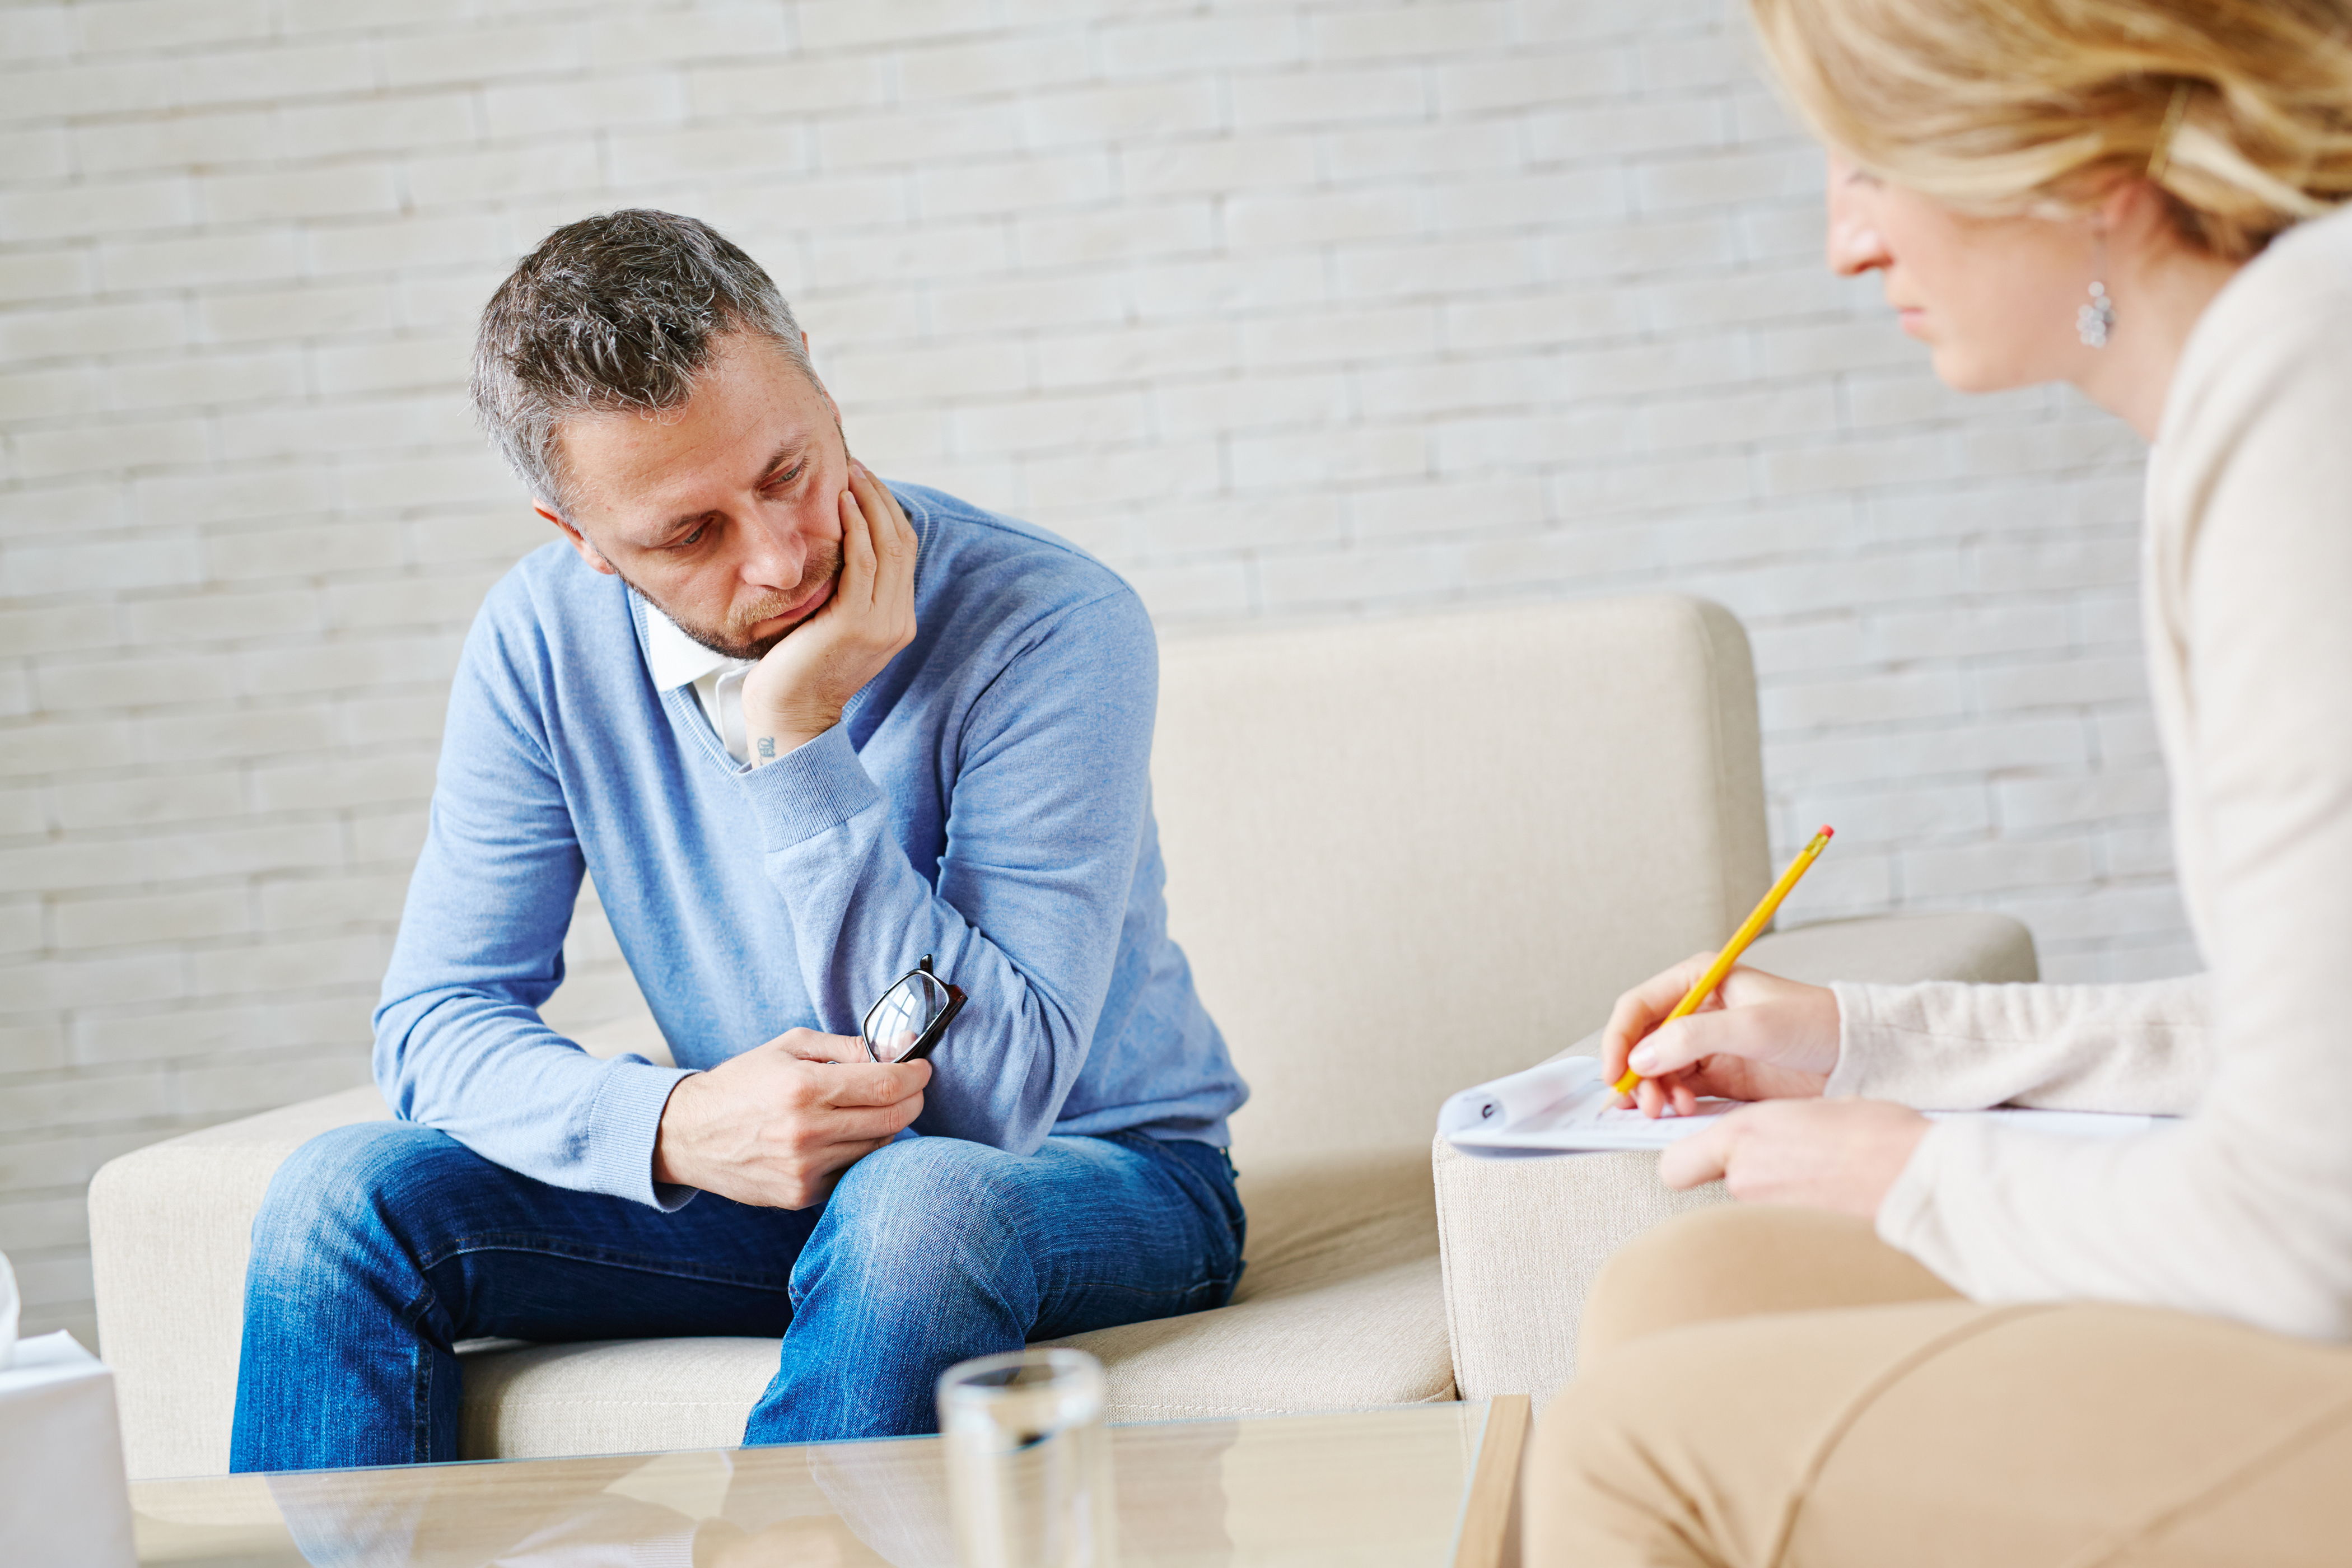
(673, 1135)
(777, 738)
(775, 746)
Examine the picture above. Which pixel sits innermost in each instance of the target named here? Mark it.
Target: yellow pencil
(1747, 933)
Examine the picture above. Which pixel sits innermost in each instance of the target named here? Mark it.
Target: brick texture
(1291, 309)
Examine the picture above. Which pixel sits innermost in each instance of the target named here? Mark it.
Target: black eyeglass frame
(931, 1035)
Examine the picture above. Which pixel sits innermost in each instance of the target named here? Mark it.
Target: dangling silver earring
(2094, 320)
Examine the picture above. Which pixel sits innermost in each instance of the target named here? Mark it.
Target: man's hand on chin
(797, 692)
(776, 1126)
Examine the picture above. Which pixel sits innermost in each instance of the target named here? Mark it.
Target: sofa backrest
(1407, 855)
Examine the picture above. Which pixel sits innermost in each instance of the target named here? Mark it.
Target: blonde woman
(1952, 1342)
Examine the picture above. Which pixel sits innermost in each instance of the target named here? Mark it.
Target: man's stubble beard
(823, 566)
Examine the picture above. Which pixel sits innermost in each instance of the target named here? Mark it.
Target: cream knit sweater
(2245, 1209)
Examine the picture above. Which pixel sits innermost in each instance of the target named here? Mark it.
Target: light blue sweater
(986, 799)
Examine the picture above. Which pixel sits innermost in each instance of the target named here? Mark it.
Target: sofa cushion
(1341, 1306)
(611, 1396)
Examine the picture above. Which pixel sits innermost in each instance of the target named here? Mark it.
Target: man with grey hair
(860, 771)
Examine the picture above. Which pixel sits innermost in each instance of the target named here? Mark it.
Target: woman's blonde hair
(2240, 110)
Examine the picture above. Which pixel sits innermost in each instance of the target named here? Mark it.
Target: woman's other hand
(1757, 1037)
(1837, 1154)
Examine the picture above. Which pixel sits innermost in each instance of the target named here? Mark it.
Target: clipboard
(1562, 1107)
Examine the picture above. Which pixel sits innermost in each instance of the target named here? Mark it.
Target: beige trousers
(1767, 1386)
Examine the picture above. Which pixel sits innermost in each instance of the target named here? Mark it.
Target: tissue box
(63, 1502)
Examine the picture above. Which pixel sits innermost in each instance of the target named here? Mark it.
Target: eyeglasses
(911, 1016)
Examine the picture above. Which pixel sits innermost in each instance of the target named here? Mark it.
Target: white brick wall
(1289, 309)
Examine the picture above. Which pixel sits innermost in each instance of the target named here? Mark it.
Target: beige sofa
(1403, 857)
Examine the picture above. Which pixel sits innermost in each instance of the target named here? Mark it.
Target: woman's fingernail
(1642, 1059)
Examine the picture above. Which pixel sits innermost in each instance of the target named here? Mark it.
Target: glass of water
(1029, 1476)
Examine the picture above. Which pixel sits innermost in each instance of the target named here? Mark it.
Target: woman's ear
(2133, 216)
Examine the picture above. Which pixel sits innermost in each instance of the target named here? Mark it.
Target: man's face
(724, 512)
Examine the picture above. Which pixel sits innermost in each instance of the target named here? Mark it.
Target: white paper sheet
(1564, 1108)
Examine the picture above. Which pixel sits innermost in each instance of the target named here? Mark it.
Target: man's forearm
(488, 1073)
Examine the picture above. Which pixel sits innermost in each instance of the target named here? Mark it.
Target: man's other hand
(777, 1125)
(798, 691)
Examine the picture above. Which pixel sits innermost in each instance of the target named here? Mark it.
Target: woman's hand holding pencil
(1757, 1036)
(1756, 1052)
(1709, 1029)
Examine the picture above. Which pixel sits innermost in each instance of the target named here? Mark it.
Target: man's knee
(352, 1184)
(932, 1209)
(936, 1188)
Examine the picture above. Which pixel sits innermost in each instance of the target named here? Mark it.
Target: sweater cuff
(623, 1124)
(1870, 1048)
(811, 789)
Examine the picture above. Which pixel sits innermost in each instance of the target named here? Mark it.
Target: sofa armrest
(1902, 950)
(169, 1229)
(1522, 1239)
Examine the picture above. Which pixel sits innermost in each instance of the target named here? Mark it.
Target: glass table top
(1365, 1488)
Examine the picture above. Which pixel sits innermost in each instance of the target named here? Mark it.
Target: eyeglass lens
(899, 1019)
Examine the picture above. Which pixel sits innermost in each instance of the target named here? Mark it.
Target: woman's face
(1994, 298)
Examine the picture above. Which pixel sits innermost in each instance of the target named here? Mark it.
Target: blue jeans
(379, 1246)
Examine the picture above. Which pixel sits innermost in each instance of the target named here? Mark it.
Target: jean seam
(420, 1351)
(1233, 1218)
(1142, 1290)
(603, 1257)
(1223, 1204)
(1226, 1204)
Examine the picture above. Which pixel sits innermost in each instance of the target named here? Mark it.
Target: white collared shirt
(676, 659)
